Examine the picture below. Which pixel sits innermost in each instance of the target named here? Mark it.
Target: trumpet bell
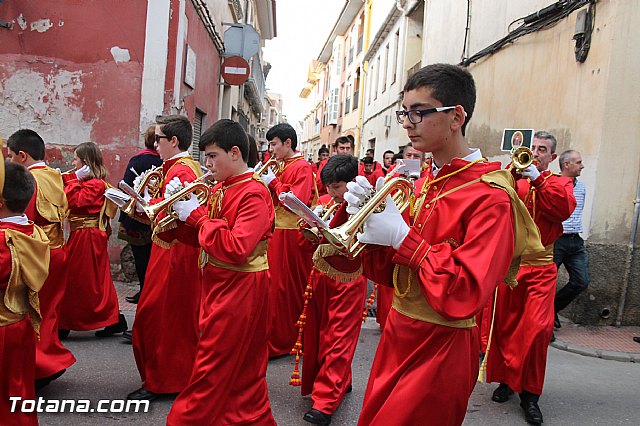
(521, 157)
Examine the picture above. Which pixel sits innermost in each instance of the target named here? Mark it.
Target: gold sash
(539, 259)
(79, 222)
(409, 300)
(29, 270)
(257, 260)
(285, 219)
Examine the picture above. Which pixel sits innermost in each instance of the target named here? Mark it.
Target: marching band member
(47, 209)
(228, 382)
(333, 316)
(444, 264)
(292, 262)
(524, 315)
(24, 265)
(90, 300)
(165, 330)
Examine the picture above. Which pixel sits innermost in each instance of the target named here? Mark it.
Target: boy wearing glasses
(165, 332)
(444, 262)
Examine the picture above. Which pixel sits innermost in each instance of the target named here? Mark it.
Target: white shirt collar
(179, 155)
(474, 155)
(38, 164)
(18, 220)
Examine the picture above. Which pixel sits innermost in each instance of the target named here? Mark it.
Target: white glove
(184, 208)
(146, 198)
(173, 186)
(137, 180)
(387, 228)
(268, 177)
(359, 192)
(531, 172)
(318, 209)
(83, 172)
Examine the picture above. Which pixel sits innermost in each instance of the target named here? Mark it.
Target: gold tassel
(482, 373)
(326, 250)
(512, 273)
(370, 301)
(302, 320)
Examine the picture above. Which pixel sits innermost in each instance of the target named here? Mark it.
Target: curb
(596, 353)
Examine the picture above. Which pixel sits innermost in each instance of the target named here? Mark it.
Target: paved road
(579, 390)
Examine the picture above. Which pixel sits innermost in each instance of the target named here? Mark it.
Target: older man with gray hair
(569, 248)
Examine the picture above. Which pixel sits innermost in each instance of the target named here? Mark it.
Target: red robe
(289, 262)
(333, 323)
(51, 355)
(322, 190)
(459, 248)
(165, 330)
(90, 300)
(17, 349)
(373, 176)
(228, 383)
(524, 314)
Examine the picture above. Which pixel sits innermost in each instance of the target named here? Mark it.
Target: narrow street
(579, 390)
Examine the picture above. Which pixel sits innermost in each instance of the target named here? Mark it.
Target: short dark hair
(343, 140)
(450, 84)
(19, 186)
(367, 160)
(339, 168)
(388, 152)
(28, 141)
(283, 131)
(323, 150)
(178, 126)
(150, 137)
(226, 134)
(371, 150)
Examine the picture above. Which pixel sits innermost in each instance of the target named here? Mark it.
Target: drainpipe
(363, 73)
(631, 249)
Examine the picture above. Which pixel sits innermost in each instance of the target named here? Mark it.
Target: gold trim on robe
(257, 261)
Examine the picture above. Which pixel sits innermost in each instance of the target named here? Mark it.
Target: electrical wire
(545, 18)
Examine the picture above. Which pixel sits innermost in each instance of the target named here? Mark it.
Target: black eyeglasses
(158, 137)
(415, 115)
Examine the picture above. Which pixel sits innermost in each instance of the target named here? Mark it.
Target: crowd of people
(465, 275)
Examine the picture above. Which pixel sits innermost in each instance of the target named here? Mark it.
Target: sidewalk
(600, 342)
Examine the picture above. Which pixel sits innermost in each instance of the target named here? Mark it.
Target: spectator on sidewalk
(569, 248)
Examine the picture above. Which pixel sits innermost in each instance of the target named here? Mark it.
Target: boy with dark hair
(387, 161)
(369, 170)
(293, 264)
(47, 208)
(165, 332)
(444, 263)
(334, 314)
(24, 265)
(228, 382)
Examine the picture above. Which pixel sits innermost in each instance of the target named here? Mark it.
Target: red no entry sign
(235, 70)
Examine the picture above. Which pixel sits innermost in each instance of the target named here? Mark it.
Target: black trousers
(569, 251)
(141, 255)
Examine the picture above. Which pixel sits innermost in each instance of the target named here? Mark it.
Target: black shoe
(349, 389)
(40, 383)
(502, 393)
(143, 394)
(553, 337)
(556, 322)
(133, 299)
(110, 330)
(63, 334)
(636, 339)
(532, 413)
(317, 417)
(127, 337)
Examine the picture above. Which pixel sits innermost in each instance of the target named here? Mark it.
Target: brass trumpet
(201, 187)
(313, 234)
(271, 162)
(152, 181)
(521, 157)
(68, 172)
(344, 237)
